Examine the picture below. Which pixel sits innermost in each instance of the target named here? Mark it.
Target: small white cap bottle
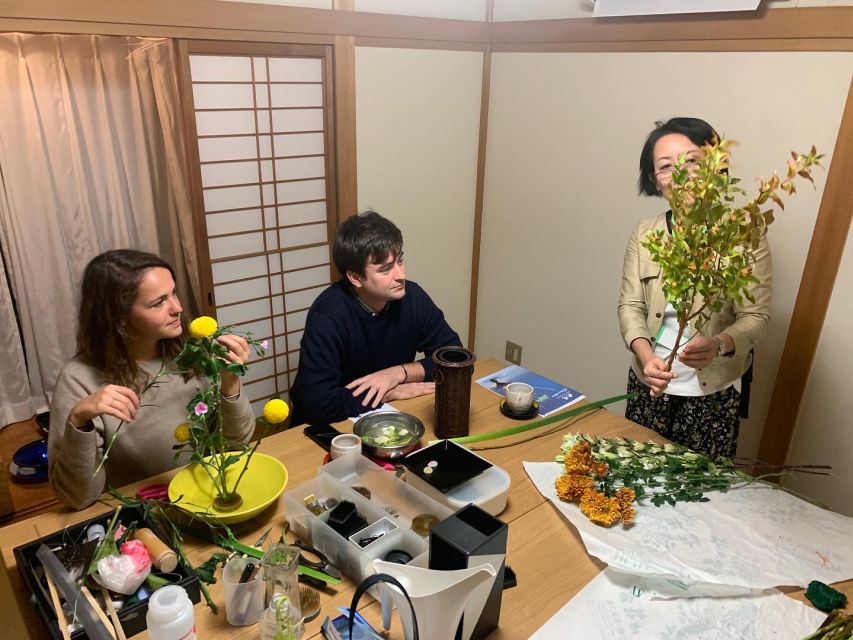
(170, 615)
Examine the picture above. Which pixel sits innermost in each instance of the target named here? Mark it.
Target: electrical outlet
(513, 352)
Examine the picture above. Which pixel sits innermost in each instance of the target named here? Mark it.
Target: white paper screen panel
(301, 191)
(296, 95)
(262, 145)
(304, 213)
(233, 148)
(291, 120)
(234, 222)
(305, 258)
(225, 123)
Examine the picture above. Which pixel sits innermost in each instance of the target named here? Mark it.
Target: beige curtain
(92, 158)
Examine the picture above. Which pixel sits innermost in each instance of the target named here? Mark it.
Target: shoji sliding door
(261, 144)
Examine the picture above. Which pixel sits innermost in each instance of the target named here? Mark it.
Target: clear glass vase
(282, 620)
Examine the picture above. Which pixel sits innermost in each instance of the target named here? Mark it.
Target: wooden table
(544, 550)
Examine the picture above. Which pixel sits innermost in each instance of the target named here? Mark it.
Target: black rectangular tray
(132, 616)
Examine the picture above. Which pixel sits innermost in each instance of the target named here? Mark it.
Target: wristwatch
(721, 346)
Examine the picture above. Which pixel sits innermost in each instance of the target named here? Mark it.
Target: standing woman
(129, 325)
(697, 404)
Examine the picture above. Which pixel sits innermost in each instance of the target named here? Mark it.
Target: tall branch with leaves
(709, 256)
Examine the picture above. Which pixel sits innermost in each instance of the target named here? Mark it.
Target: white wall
(565, 132)
(417, 116)
(824, 432)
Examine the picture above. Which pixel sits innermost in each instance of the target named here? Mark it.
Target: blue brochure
(551, 395)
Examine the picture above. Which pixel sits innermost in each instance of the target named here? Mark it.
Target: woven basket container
(454, 368)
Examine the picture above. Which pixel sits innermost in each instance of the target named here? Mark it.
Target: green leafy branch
(710, 254)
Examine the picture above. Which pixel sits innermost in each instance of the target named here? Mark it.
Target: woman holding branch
(695, 401)
(130, 330)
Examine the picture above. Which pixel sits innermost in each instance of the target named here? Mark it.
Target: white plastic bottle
(170, 615)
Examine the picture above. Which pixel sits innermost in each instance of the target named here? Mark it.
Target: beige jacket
(642, 304)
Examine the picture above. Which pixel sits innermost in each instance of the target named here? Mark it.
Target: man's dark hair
(697, 131)
(365, 238)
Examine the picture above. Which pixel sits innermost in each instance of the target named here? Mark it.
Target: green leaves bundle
(709, 256)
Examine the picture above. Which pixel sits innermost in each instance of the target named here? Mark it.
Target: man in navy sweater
(362, 333)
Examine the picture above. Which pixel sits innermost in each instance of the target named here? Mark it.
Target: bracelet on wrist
(405, 374)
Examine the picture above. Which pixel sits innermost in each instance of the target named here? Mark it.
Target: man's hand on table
(410, 390)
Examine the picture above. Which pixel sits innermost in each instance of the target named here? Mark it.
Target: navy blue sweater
(344, 341)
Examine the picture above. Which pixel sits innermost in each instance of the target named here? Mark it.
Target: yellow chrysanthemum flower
(276, 411)
(203, 327)
(182, 433)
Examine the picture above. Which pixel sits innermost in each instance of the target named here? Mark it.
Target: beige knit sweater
(144, 446)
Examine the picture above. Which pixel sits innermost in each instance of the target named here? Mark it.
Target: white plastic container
(392, 501)
(170, 615)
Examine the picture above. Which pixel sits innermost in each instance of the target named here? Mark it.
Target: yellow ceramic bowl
(192, 490)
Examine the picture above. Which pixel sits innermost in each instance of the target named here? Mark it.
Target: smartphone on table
(322, 434)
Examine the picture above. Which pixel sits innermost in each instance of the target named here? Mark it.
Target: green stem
(538, 423)
(164, 369)
(246, 466)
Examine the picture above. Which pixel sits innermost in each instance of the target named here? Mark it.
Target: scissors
(258, 543)
(321, 564)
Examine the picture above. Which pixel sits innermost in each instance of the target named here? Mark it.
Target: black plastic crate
(132, 616)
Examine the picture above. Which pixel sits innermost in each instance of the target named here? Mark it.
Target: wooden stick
(113, 614)
(98, 611)
(61, 620)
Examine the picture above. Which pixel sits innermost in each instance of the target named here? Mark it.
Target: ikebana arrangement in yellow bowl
(211, 483)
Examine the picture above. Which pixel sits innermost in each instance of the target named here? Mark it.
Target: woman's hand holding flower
(112, 399)
(238, 353)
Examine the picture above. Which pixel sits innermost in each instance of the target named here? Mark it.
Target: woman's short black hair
(697, 131)
(362, 238)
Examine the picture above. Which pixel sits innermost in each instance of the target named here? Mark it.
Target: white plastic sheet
(746, 540)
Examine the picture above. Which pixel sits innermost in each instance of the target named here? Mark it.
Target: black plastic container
(466, 539)
(132, 616)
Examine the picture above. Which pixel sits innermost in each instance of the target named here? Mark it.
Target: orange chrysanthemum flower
(599, 508)
(627, 513)
(625, 497)
(600, 469)
(579, 459)
(570, 487)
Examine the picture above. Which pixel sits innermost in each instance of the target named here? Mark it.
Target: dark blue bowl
(29, 464)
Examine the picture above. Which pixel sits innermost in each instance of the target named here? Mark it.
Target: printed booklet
(552, 396)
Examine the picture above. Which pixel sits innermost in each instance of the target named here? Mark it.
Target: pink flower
(137, 552)
(265, 345)
(200, 409)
